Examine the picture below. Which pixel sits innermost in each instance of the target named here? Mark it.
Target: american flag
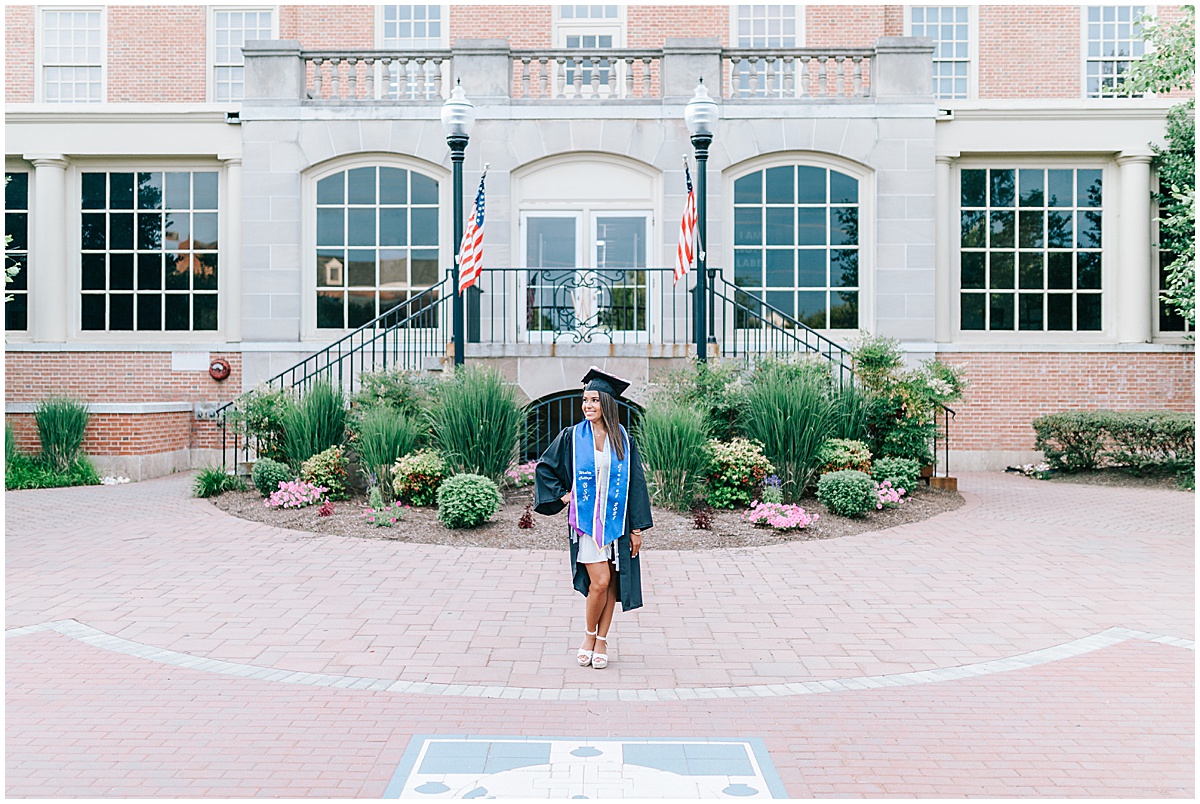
(470, 253)
(685, 252)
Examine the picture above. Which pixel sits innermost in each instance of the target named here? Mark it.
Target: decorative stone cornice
(47, 160)
(1134, 157)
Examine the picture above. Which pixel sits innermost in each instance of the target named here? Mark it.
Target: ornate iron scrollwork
(586, 303)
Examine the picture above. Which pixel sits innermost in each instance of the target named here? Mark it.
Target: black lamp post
(701, 114)
(458, 115)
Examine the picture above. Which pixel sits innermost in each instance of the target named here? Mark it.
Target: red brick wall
(328, 27)
(156, 54)
(851, 26)
(18, 54)
(1010, 389)
(522, 26)
(1030, 51)
(116, 434)
(650, 26)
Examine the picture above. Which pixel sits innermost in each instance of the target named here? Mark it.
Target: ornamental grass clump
(60, 424)
(738, 471)
(477, 423)
(315, 424)
(295, 494)
(672, 439)
(214, 480)
(848, 493)
(383, 435)
(328, 469)
(778, 516)
(902, 473)
(789, 412)
(467, 500)
(417, 476)
(844, 453)
(267, 474)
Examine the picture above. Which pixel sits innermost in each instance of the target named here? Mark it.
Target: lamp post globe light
(458, 116)
(701, 115)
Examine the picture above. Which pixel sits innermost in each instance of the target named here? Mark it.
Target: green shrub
(60, 424)
(382, 435)
(467, 500)
(1086, 439)
(24, 472)
(672, 439)
(738, 470)
(909, 438)
(843, 453)
(716, 389)
(258, 417)
(400, 390)
(10, 444)
(267, 474)
(477, 423)
(903, 473)
(789, 412)
(315, 424)
(417, 476)
(848, 493)
(328, 469)
(214, 480)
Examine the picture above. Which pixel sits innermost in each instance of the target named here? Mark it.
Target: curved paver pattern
(1024, 567)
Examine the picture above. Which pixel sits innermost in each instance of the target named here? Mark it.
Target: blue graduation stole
(603, 523)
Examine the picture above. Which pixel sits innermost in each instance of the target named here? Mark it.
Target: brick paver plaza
(1036, 642)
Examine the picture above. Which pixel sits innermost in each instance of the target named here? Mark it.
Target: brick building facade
(178, 200)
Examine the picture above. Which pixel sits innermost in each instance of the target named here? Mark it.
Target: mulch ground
(1116, 476)
(671, 531)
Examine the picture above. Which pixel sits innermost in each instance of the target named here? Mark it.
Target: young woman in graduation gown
(593, 469)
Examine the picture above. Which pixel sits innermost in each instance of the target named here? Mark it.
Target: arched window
(377, 242)
(796, 241)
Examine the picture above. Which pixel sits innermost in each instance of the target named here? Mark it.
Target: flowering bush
(327, 469)
(844, 453)
(521, 475)
(386, 515)
(738, 470)
(778, 516)
(772, 490)
(417, 476)
(902, 473)
(848, 493)
(889, 497)
(295, 494)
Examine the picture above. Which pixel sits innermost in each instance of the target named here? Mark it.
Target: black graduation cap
(597, 380)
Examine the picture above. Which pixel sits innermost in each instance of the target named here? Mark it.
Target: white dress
(588, 552)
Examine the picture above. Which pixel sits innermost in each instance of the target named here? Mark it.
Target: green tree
(1168, 66)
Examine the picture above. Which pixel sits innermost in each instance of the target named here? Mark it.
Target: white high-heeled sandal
(600, 660)
(584, 657)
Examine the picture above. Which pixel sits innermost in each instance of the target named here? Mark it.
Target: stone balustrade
(372, 75)
(586, 74)
(832, 74)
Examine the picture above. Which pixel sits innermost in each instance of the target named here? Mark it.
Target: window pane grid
(796, 245)
(1030, 249)
(72, 56)
(16, 251)
(410, 26)
(1113, 44)
(763, 26)
(149, 251)
(376, 244)
(231, 30)
(949, 28)
(1169, 319)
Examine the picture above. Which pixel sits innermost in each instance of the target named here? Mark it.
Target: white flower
(109, 480)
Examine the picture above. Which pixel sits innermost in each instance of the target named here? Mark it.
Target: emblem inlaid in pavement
(453, 767)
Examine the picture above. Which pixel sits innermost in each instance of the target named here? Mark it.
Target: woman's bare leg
(599, 583)
(610, 604)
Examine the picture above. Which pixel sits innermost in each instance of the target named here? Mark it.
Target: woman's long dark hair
(612, 424)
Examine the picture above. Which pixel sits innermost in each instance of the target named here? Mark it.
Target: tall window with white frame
(377, 246)
(233, 28)
(796, 243)
(1031, 256)
(1170, 321)
(588, 27)
(1113, 43)
(949, 28)
(149, 248)
(16, 250)
(412, 27)
(72, 55)
(763, 26)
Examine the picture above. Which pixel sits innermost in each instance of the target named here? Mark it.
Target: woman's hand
(566, 498)
(635, 543)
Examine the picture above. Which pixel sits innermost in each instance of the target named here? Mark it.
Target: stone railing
(372, 75)
(586, 74)
(841, 73)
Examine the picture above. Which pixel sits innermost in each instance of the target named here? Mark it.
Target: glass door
(619, 242)
(552, 254)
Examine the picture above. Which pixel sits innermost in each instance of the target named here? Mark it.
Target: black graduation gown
(554, 478)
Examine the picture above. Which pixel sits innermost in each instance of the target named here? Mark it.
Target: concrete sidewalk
(1035, 642)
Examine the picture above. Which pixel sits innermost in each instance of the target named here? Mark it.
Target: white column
(1135, 298)
(48, 286)
(944, 234)
(230, 280)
